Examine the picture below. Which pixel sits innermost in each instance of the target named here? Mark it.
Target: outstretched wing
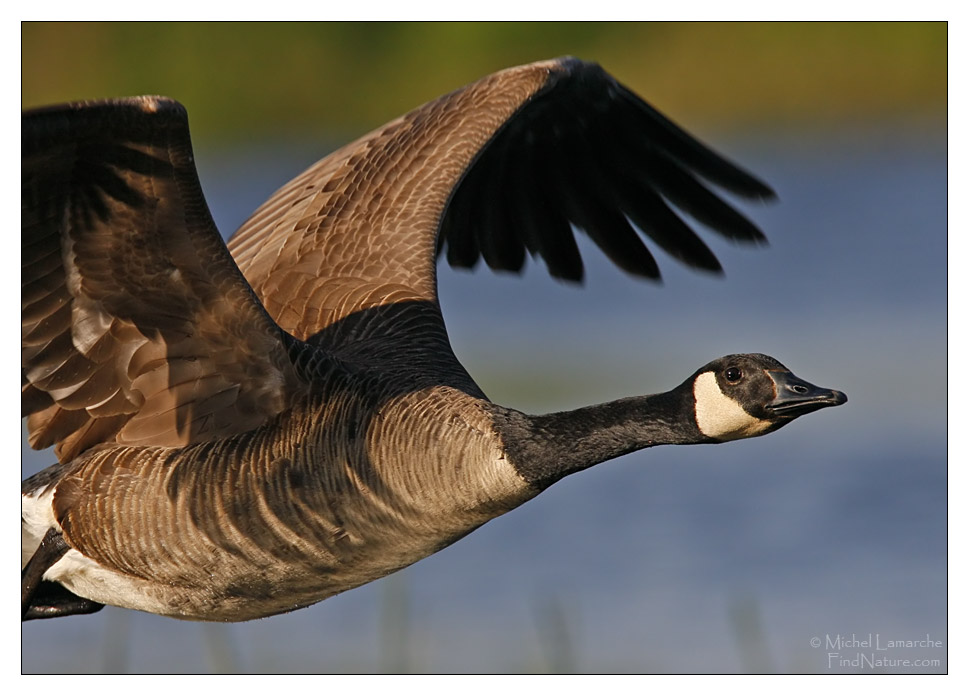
(137, 326)
(503, 166)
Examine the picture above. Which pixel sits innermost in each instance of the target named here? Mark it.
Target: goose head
(750, 394)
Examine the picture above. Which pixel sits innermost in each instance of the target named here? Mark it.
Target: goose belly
(194, 534)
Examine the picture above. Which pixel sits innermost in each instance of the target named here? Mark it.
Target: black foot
(54, 600)
(41, 599)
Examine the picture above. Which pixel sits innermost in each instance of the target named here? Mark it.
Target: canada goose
(246, 430)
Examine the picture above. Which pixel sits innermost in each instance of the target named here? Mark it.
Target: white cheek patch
(719, 416)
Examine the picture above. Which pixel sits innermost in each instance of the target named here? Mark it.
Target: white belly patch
(76, 572)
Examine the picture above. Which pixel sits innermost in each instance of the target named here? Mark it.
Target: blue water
(721, 558)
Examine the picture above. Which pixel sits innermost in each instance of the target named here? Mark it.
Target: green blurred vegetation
(242, 80)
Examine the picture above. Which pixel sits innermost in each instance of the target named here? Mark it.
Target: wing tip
(750, 187)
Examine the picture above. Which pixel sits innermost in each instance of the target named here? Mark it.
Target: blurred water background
(735, 558)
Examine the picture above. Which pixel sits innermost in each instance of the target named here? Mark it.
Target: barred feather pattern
(288, 514)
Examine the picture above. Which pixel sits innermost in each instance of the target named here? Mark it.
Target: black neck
(546, 448)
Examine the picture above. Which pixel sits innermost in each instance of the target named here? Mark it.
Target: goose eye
(733, 375)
